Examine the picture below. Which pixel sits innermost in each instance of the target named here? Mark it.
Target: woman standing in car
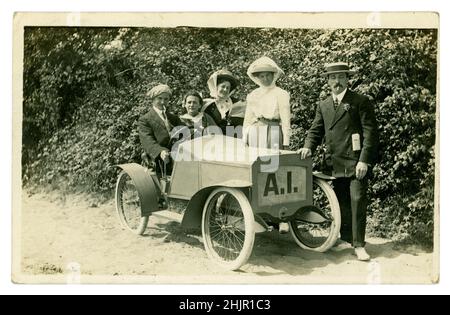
(222, 107)
(267, 120)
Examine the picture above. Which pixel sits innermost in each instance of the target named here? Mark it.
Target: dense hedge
(84, 90)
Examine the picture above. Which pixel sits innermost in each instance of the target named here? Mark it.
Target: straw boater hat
(337, 67)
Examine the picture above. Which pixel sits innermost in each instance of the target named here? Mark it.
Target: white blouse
(224, 106)
(197, 119)
(269, 103)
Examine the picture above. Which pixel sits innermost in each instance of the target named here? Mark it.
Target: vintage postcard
(226, 148)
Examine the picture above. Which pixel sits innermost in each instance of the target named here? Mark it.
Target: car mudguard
(323, 176)
(146, 184)
(192, 218)
(311, 214)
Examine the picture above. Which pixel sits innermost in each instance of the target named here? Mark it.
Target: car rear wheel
(228, 227)
(319, 237)
(128, 205)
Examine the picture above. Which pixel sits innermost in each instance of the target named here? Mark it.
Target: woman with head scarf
(267, 121)
(224, 109)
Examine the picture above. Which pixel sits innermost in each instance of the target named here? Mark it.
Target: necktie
(166, 121)
(336, 103)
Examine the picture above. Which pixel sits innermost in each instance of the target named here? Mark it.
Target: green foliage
(84, 89)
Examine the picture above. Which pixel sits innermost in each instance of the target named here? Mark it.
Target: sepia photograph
(226, 148)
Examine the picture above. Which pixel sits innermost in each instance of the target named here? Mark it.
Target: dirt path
(65, 237)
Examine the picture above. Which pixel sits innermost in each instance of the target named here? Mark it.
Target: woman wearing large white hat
(267, 119)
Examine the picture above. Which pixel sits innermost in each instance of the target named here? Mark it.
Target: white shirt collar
(194, 119)
(160, 112)
(340, 96)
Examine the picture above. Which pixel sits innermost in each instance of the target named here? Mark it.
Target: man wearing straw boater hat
(347, 122)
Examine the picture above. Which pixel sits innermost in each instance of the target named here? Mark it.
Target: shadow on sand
(280, 253)
(172, 231)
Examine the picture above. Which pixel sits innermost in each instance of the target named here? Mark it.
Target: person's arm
(316, 132)
(285, 116)
(249, 118)
(208, 120)
(369, 144)
(148, 139)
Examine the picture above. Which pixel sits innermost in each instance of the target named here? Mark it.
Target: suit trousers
(352, 197)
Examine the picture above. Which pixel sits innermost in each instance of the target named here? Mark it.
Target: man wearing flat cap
(156, 126)
(347, 122)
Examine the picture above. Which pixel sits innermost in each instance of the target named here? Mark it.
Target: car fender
(323, 176)
(192, 218)
(146, 184)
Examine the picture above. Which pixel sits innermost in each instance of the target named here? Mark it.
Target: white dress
(267, 119)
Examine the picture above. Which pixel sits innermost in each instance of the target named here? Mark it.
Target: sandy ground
(71, 239)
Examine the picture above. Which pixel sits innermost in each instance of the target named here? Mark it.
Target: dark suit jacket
(153, 132)
(338, 126)
(212, 110)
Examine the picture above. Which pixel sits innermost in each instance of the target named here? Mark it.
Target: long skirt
(265, 134)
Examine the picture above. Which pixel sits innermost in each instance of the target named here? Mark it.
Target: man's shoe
(361, 254)
(340, 245)
(283, 228)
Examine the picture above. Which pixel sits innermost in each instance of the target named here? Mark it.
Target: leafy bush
(84, 89)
